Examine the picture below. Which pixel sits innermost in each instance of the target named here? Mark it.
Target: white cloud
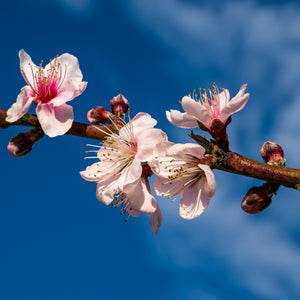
(245, 42)
(260, 45)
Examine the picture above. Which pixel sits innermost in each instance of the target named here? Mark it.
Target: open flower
(181, 168)
(119, 172)
(211, 109)
(49, 88)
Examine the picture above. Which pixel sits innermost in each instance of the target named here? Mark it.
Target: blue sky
(59, 242)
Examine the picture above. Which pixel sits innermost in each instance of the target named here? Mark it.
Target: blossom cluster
(132, 151)
(129, 156)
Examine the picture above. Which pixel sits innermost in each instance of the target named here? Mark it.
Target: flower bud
(22, 143)
(272, 153)
(256, 199)
(119, 105)
(98, 115)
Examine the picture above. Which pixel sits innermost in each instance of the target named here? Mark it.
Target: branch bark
(232, 162)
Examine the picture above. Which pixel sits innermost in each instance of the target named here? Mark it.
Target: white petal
(105, 193)
(139, 197)
(186, 149)
(55, 120)
(146, 141)
(21, 106)
(155, 220)
(28, 68)
(210, 181)
(164, 187)
(182, 120)
(194, 201)
(224, 97)
(197, 110)
(235, 104)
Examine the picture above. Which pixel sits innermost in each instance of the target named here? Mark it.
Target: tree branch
(230, 162)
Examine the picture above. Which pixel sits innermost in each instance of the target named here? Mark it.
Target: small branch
(225, 161)
(238, 164)
(77, 129)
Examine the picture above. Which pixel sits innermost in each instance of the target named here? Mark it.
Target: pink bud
(272, 153)
(98, 115)
(119, 105)
(22, 143)
(256, 199)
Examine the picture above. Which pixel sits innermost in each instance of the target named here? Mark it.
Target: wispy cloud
(258, 44)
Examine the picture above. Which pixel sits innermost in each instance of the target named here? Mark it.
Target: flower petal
(21, 106)
(106, 191)
(197, 110)
(166, 188)
(224, 97)
(143, 120)
(235, 104)
(55, 120)
(139, 197)
(131, 174)
(68, 93)
(186, 149)
(210, 181)
(72, 84)
(182, 120)
(146, 142)
(194, 201)
(28, 68)
(155, 220)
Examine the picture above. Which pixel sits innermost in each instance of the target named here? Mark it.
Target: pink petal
(210, 181)
(21, 106)
(106, 191)
(139, 197)
(163, 187)
(55, 120)
(132, 212)
(159, 153)
(140, 123)
(180, 119)
(197, 110)
(155, 220)
(73, 75)
(146, 141)
(28, 68)
(143, 120)
(224, 97)
(131, 174)
(186, 149)
(235, 104)
(69, 92)
(194, 201)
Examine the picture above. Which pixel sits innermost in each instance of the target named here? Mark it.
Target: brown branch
(238, 164)
(230, 162)
(77, 129)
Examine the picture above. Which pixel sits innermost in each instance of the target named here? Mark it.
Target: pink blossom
(119, 172)
(49, 88)
(181, 168)
(208, 106)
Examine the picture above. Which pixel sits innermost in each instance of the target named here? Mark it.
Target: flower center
(210, 99)
(46, 82)
(185, 171)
